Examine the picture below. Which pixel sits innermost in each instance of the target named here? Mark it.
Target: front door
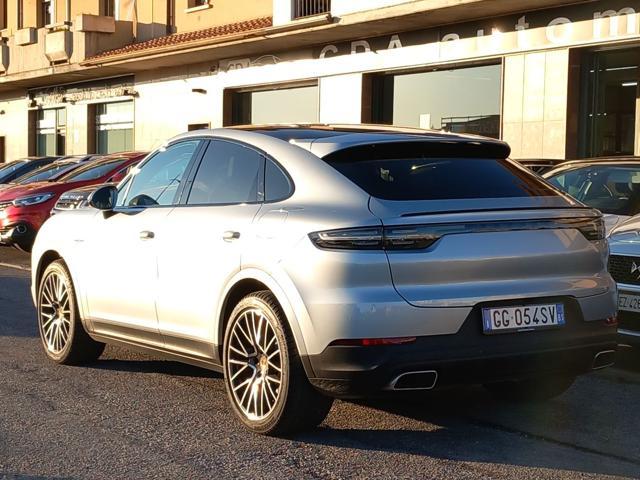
(121, 294)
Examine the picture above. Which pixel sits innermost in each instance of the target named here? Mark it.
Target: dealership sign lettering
(573, 25)
(593, 22)
(599, 21)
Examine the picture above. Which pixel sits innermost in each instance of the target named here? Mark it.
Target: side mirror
(104, 198)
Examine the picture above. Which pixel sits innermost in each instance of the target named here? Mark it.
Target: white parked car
(308, 263)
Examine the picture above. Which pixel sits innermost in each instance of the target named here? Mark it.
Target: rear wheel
(531, 390)
(63, 337)
(266, 383)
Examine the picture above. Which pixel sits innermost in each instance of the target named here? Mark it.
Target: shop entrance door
(609, 99)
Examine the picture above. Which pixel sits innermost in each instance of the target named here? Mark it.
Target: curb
(15, 267)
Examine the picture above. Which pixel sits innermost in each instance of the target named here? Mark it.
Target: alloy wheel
(254, 364)
(55, 312)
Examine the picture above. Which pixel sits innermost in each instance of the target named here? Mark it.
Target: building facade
(555, 79)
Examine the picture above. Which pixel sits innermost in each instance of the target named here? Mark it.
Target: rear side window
(228, 174)
(411, 174)
(276, 183)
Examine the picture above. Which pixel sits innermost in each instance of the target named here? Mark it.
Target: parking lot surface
(133, 416)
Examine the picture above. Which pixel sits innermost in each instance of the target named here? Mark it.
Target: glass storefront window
(114, 127)
(609, 92)
(285, 105)
(462, 100)
(51, 132)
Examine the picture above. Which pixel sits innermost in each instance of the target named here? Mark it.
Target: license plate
(628, 302)
(522, 318)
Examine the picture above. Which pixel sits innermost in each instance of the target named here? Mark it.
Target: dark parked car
(18, 168)
(612, 185)
(24, 208)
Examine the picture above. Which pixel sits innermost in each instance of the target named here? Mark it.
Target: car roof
(626, 161)
(324, 139)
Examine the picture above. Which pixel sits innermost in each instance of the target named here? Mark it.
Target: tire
(531, 390)
(266, 385)
(63, 336)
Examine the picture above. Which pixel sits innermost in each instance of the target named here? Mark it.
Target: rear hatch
(461, 227)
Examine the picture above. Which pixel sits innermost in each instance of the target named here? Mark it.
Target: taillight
(593, 229)
(375, 238)
(409, 238)
(349, 239)
(420, 237)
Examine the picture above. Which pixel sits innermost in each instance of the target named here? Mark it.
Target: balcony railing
(308, 8)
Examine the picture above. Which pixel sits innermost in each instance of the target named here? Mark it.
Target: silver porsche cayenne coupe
(308, 263)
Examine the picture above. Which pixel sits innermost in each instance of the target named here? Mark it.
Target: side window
(276, 183)
(159, 178)
(229, 173)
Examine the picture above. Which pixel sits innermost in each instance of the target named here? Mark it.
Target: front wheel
(265, 380)
(63, 337)
(532, 390)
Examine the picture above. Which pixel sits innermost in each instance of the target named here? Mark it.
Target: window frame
(59, 130)
(261, 182)
(233, 113)
(99, 125)
(378, 111)
(127, 181)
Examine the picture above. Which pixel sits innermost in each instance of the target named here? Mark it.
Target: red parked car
(24, 208)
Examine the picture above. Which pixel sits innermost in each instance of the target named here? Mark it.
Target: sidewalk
(12, 257)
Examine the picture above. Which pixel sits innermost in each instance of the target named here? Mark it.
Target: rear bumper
(467, 357)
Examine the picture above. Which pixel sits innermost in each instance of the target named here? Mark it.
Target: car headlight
(73, 200)
(32, 199)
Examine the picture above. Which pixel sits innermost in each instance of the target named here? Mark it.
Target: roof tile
(188, 37)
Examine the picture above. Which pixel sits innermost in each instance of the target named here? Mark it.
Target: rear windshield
(45, 173)
(611, 189)
(390, 176)
(93, 171)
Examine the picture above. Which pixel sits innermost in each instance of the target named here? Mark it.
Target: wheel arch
(253, 280)
(46, 259)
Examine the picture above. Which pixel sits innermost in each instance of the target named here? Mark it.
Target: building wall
(344, 7)
(14, 124)
(535, 104)
(219, 12)
(535, 114)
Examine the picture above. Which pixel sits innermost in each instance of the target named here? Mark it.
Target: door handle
(230, 236)
(147, 235)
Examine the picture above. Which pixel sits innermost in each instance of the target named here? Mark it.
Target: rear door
(209, 231)
(462, 229)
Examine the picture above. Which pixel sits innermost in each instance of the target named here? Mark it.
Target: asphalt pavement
(133, 416)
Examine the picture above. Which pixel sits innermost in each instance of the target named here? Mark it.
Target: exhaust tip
(422, 380)
(604, 359)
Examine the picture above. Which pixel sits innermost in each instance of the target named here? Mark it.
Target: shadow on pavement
(446, 429)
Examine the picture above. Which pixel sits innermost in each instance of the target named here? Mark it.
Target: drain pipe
(68, 11)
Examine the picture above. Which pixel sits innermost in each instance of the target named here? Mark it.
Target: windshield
(613, 189)
(92, 171)
(409, 177)
(46, 173)
(10, 167)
